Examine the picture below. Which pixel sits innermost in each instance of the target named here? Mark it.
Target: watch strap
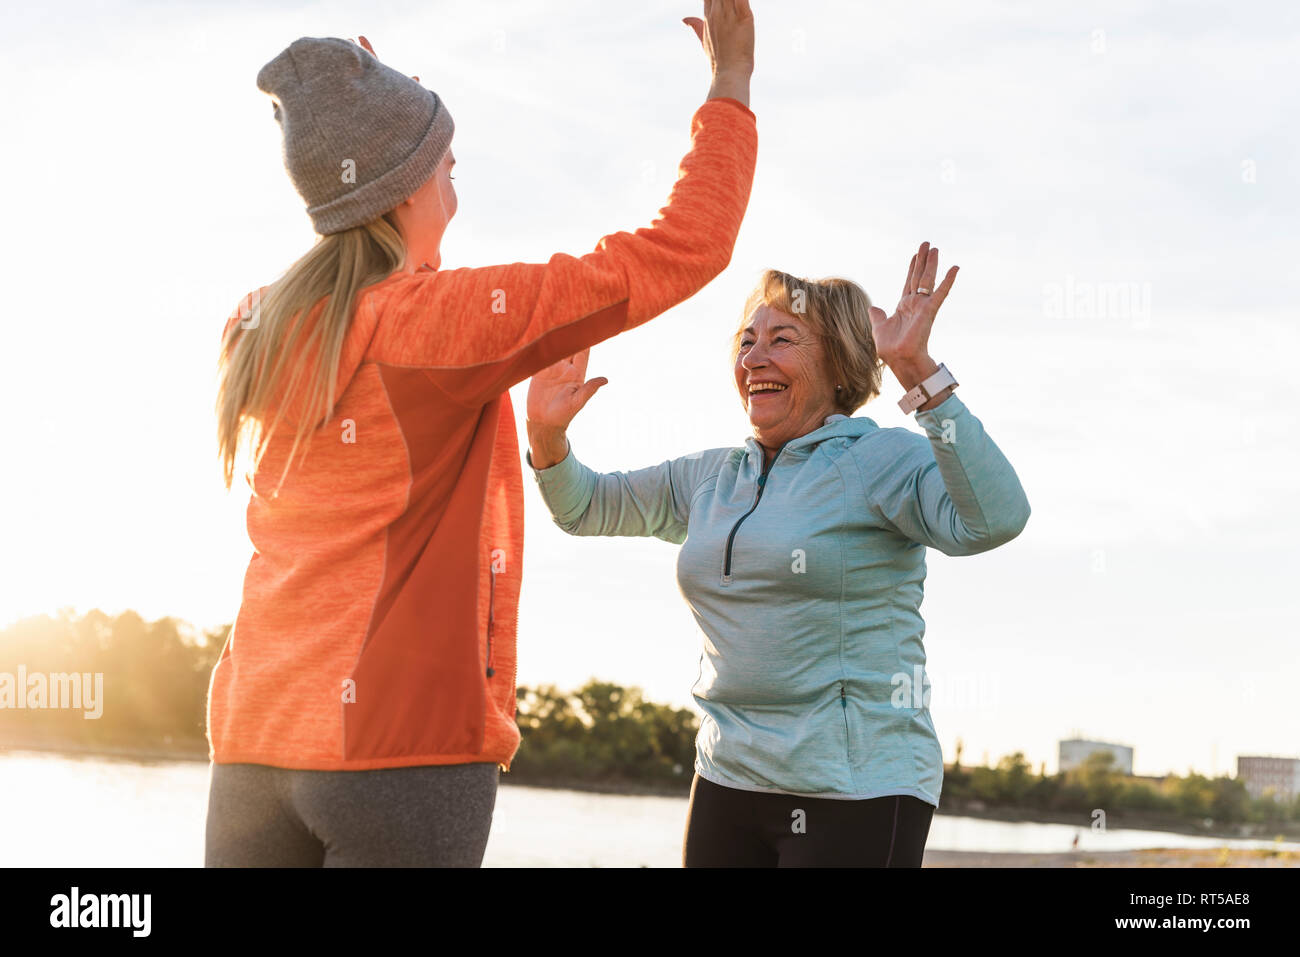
(927, 390)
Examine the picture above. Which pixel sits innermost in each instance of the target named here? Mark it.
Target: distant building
(1074, 751)
(1262, 772)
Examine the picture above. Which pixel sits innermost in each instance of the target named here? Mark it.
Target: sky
(1119, 183)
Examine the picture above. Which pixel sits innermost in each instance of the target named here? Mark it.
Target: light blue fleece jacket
(807, 584)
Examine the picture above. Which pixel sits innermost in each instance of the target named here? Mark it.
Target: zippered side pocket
(848, 735)
(492, 593)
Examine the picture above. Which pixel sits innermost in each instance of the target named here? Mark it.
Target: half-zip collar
(834, 426)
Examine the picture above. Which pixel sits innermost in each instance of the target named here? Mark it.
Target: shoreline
(1128, 821)
(1147, 857)
(1117, 820)
(111, 753)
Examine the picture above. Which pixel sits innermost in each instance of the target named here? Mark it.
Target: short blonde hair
(836, 311)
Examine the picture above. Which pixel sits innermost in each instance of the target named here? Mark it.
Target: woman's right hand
(555, 396)
(727, 35)
(365, 45)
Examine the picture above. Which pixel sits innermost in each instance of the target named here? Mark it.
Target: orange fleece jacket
(379, 610)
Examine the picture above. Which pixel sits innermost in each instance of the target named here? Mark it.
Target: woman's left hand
(903, 339)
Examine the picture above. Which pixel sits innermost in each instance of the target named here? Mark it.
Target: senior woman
(803, 561)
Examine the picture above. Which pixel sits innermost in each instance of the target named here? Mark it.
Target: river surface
(62, 811)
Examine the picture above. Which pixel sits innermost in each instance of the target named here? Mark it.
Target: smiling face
(781, 376)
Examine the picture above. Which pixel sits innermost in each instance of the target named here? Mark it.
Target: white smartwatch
(927, 390)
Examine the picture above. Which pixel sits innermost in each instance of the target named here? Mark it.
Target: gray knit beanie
(359, 137)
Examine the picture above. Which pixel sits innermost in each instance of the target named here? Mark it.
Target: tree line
(1096, 784)
(602, 735)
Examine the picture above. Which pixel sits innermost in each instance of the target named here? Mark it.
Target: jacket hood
(835, 427)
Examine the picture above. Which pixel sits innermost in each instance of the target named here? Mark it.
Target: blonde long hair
(279, 357)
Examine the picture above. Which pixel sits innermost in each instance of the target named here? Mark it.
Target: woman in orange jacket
(365, 700)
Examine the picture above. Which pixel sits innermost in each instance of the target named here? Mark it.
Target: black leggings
(727, 827)
(426, 816)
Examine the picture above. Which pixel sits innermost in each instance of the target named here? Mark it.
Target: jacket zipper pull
(844, 702)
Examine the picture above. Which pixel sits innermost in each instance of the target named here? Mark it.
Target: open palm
(904, 337)
(558, 392)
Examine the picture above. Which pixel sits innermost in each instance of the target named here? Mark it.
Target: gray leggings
(428, 816)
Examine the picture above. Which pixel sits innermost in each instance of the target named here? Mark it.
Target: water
(59, 811)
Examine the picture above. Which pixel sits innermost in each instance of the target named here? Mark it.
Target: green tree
(1015, 779)
(1193, 796)
(603, 732)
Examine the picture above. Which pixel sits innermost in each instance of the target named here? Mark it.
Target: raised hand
(558, 392)
(727, 35)
(903, 339)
